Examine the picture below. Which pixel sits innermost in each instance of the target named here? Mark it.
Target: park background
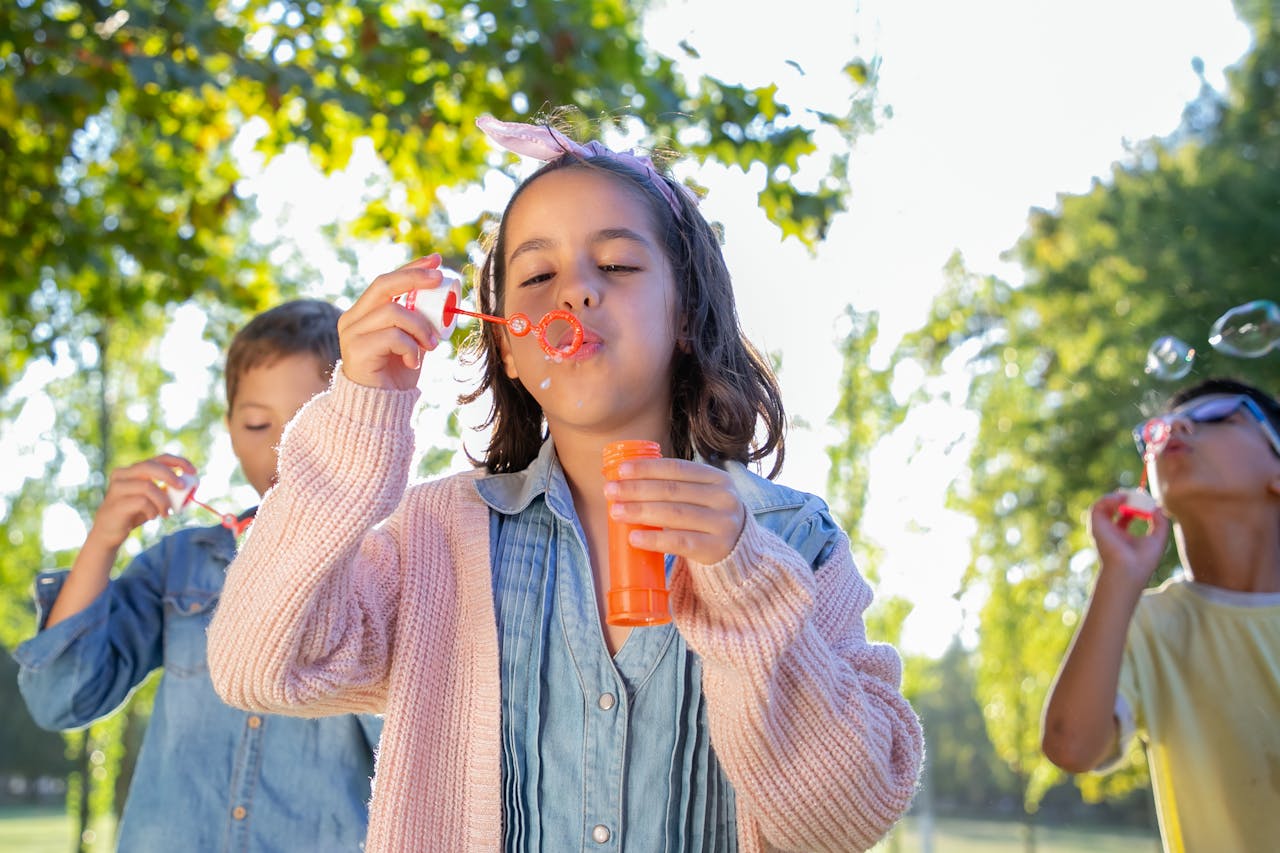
(957, 229)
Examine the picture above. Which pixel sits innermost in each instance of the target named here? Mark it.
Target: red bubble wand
(1138, 503)
(187, 495)
(440, 306)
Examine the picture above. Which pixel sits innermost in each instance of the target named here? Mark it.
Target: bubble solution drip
(1250, 330)
(637, 578)
(179, 498)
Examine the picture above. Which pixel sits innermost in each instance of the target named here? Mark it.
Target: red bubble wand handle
(1138, 505)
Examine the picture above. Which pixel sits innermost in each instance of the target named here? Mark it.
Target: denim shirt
(209, 777)
(606, 753)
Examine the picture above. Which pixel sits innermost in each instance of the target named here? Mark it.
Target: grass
(48, 830)
(35, 830)
(42, 829)
(961, 835)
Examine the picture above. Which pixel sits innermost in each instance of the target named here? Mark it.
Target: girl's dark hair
(722, 387)
(300, 326)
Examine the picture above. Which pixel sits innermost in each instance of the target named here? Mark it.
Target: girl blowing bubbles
(469, 610)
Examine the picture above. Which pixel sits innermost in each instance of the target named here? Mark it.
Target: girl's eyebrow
(530, 246)
(620, 234)
(602, 236)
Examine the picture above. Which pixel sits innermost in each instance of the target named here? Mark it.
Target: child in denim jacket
(209, 777)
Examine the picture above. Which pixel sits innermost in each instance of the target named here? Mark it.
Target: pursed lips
(591, 342)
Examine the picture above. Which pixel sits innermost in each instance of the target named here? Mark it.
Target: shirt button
(238, 813)
(193, 607)
(255, 721)
(600, 833)
(605, 702)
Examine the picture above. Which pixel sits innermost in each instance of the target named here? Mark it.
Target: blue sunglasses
(1213, 410)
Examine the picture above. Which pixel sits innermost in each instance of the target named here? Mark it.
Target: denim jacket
(209, 777)
(601, 751)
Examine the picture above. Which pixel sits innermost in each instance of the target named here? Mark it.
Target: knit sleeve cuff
(761, 577)
(372, 408)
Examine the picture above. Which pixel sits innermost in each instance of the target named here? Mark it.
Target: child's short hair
(723, 388)
(300, 326)
(1226, 385)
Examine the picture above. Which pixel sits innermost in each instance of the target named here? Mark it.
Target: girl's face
(583, 241)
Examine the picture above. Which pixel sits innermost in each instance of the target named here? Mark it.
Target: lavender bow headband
(546, 144)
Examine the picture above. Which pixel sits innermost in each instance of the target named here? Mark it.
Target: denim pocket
(186, 618)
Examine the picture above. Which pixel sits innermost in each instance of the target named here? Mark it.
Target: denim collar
(219, 538)
(512, 493)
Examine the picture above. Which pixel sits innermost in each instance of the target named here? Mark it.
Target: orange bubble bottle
(637, 578)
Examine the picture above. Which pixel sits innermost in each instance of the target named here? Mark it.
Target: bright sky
(998, 106)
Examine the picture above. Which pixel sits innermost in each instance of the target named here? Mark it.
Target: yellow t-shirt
(1201, 681)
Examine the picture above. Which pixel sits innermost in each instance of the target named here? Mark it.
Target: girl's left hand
(699, 515)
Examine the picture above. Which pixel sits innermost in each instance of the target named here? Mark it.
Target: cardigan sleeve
(807, 717)
(307, 614)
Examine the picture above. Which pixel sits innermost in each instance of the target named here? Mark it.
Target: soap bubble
(1250, 330)
(1169, 358)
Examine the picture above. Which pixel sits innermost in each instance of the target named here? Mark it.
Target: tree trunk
(925, 800)
(86, 813)
(1028, 832)
(79, 789)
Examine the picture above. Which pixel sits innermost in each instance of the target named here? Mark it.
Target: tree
(1178, 235)
(865, 412)
(88, 421)
(119, 121)
(120, 127)
(25, 751)
(966, 774)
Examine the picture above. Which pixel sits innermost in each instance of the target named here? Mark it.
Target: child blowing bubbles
(466, 608)
(208, 777)
(1192, 667)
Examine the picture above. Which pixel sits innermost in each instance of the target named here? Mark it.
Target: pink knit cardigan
(352, 593)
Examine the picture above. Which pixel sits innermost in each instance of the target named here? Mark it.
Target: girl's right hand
(1136, 557)
(382, 342)
(135, 495)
